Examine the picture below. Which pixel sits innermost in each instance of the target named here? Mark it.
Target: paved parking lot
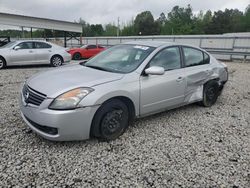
(188, 147)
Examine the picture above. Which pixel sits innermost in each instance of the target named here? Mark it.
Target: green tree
(96, 30)
(144, 24)
(225, 22)
(246, 19)
(179, 20)
(110, 30)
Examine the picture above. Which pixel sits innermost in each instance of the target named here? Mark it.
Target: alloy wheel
(1, 63)
(57, 61)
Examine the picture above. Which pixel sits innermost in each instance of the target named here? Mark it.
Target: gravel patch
(190, 146)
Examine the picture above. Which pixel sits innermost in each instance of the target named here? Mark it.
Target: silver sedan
(33, 52)
(100, 98)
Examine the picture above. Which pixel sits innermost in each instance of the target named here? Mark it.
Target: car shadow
(28, 66)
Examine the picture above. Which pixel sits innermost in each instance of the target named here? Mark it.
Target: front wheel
(2, 63)
(210, 93)
(56, 61)
(111, 120)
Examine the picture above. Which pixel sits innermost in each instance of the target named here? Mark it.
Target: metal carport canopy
(42, 23)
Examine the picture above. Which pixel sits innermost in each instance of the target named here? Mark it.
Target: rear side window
(42, 45)
(206, 58)
(91, 46)
(194, 57)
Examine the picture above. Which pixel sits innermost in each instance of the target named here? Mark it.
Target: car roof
(151, 43)
(157, 44)
(31, 41)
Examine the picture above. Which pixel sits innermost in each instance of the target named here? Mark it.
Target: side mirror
(17, 48)
(155, 70)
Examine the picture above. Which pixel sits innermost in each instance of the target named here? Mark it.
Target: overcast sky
(107, 11)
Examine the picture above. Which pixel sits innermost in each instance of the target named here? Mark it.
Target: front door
(24, 54)
(159, 92)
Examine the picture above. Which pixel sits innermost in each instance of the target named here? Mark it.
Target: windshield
(121, 58)
(9, 44)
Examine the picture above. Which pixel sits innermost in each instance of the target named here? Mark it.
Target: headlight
(70, 99)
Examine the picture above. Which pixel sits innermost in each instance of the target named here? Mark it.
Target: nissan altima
(32, 52)
(100, 98)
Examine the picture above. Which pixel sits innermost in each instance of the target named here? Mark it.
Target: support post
(31, 34)
(22, 32)
(233, 44)
(81, 40)
(245, 59)
(65, 39)
(200, 42)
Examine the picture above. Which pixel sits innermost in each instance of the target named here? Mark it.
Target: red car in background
(85, 52)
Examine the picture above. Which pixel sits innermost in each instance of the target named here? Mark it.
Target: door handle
(49, 50)
(179, 79)
(30, 51)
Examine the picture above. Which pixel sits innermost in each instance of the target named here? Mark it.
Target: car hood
(60, 80)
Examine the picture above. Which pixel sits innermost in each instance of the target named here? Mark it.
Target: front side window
(194, 57)
(168, 58)
(26, 45)
(121, 58)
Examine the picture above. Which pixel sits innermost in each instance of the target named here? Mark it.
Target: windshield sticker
(141, 47)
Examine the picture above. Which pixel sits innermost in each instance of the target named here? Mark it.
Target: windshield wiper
(96, 67)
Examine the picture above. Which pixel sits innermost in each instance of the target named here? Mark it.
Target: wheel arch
(4, 59)
(127, 101)
(57, 55)
(216, 79)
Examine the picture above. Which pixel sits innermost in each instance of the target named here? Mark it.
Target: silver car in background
(30, 52)
(100, 98)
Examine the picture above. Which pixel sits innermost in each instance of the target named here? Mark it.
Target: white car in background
(33, 52)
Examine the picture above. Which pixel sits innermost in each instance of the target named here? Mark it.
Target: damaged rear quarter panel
(196, 77)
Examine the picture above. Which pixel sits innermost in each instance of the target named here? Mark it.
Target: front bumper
(58, 125)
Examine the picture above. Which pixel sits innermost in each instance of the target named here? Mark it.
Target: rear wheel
(56, 61)
(111, 120)
(2, 63)
(210, 93)
(77, 56)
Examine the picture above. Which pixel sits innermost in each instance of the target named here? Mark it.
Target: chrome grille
(32, 96)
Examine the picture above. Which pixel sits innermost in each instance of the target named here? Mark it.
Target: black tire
(110, 121)
(2, 63)
(56, 61)
(210, 93)
(77, 56)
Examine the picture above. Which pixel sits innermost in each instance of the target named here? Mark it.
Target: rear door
(43, 52)
(24, 55)
(198, 71)
(159, 92)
